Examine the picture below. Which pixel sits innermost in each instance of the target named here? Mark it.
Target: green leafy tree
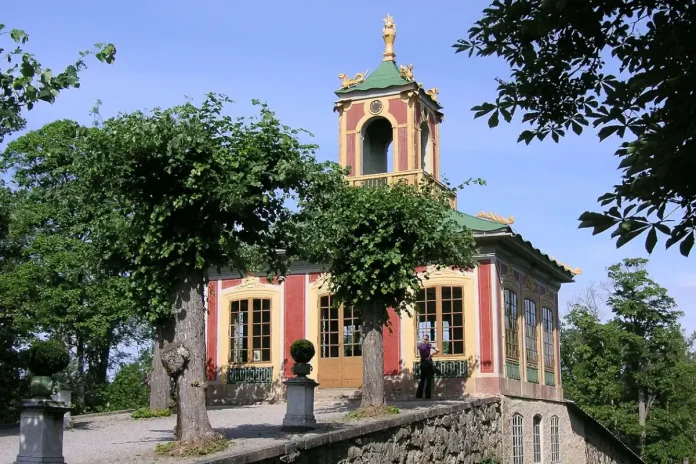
(371, 241)
(561, 56)
(24, 82)
(635, 371)
(60, 283)
(129, 390)
(197, 187)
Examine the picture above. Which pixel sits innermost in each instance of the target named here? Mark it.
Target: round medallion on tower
(376, 107)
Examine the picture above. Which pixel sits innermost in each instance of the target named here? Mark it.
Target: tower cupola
(388, 118)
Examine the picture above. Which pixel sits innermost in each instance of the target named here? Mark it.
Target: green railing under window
(512, 370)
(550, 378)
(446, 369)
(250, 375)
(532, 375)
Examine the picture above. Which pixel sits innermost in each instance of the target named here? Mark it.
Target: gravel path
(118, 438)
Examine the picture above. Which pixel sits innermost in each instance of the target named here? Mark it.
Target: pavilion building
(496, 326)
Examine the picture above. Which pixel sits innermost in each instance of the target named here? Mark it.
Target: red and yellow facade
(465, 312)
(496, 326)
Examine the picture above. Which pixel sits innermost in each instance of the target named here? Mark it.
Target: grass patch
(373, 411)
(146, 413)
(209, 445)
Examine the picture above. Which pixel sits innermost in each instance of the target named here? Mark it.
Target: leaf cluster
(24, 82)
(561, 55)
(372, 240)
(199, 189)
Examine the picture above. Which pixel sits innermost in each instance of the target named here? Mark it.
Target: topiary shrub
(302, 351)
(46, 358)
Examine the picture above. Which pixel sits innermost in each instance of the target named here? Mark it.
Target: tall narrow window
(352, 341)
(517, 440)
(530, 316)
(536, 431)
(512, 346)
(250, 330)
(441, 317)
(548, 339)
(427, 314)
(452, 321)
(555, 440)
(329, 331)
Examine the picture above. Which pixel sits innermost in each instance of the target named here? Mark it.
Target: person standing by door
(427, 369)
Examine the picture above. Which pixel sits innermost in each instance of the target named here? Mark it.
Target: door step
(324, 395)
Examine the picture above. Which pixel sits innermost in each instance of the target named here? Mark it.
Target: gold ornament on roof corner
(432, 93)
(576, 271)
(347, 82)
(496, 218)
(389, 35)
(406, 72)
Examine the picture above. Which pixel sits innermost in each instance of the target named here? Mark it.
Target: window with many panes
(441, 317)
(555, 440)
(536, 432)
(530, 317)
(517, 440)
(250, 330)
(339, 330)
(512, 345)
(329, 330)
(547, 323)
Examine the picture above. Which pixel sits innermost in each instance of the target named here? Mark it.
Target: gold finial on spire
(389, 34)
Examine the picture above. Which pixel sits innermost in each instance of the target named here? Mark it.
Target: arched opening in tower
(426, 149)
(377, 137)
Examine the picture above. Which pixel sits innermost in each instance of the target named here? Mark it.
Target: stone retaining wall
(467, 432)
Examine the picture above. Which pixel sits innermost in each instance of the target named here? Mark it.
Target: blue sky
(290, 53)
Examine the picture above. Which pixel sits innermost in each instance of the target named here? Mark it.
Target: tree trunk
(80, 393)
(102, 367)
(642, 417)
(192, 421)
(373, 356)
(159, 381)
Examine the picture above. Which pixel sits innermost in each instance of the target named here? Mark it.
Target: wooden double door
(340, 346)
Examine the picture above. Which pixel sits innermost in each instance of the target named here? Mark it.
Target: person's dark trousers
(427, 372)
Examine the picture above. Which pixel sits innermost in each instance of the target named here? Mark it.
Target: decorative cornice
(433, 271)
(248, 283)
(576, 270)
(531, 285)
(496, 218)
(322, 282)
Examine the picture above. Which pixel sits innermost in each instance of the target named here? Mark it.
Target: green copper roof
(386, 75)
(476, 224)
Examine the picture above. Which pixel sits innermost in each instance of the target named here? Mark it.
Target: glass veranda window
(250, 330)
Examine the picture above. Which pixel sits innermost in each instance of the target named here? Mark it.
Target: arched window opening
(537, 438)
(426, 149)
(517, 440)
(555, 440)
(377, 138)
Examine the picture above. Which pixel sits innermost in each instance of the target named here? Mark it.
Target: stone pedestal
(299, 416)
(65, 396)
(41, 432)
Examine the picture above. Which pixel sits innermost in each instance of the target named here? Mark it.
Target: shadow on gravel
(165, 435)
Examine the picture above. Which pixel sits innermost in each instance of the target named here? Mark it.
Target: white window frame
(555, 440)
(537, 434)
(517, 439)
